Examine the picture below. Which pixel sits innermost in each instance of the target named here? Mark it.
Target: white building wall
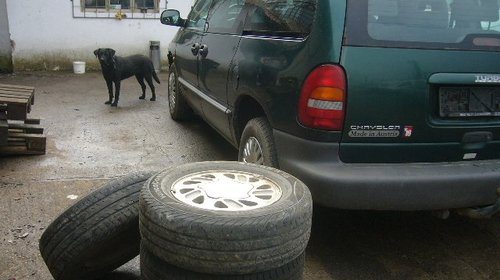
(47, 36)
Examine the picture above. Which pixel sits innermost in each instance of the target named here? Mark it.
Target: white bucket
(79, 67)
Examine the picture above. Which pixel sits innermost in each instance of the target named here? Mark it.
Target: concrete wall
(47, 36)
(5, 46)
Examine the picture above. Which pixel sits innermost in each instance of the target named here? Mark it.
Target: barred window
(118, 8)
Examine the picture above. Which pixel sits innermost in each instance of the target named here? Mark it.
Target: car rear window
(455, 24)
(287, 18)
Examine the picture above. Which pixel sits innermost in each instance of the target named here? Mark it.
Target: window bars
(118, 9)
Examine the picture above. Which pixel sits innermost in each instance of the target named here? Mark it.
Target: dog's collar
(114, 62)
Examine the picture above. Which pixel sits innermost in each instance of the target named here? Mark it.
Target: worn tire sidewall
(285, 224)
(153, 268)
(261, 130)
(75, 246)
(293, 196)
(181, 110)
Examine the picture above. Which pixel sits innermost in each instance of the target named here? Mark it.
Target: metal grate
(118, 9)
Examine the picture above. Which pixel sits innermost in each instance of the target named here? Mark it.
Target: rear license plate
(469, 102)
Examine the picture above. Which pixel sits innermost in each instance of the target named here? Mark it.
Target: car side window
(198, 16)
(226, 16)
(288, 18)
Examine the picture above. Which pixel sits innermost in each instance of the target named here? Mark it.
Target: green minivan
(374, 104)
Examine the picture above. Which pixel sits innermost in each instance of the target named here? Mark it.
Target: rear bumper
(409, 186)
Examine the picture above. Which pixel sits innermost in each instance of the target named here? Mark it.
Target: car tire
(257, 143)
(98, 233)
(178, 107)
(153, 268)
(189, 219)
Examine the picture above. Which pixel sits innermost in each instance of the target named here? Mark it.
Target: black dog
(116, 68)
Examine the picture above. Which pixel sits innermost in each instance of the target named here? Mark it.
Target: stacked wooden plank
(19, 135)
(4, 126)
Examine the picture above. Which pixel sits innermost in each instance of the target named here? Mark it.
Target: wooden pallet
(19, 135)
(18, 100)
(4, 125)
(24, 140)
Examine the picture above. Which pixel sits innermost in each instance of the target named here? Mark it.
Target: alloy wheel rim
(171, 91)
(225, 190)
(252, 152)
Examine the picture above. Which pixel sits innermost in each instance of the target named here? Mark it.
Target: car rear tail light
(323, 98)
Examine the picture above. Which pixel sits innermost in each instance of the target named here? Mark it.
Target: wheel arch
(246, 108)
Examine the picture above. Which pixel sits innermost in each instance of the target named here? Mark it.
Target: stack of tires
(208, 220)
(224, 220)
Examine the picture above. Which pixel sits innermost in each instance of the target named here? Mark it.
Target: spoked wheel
(225, 218)
(178, 107)
(252, 151)
(257, 144)
(226, 190)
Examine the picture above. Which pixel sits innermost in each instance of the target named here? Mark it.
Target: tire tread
(110, 213)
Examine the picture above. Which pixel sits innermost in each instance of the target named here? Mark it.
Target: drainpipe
(154, 54)
(6, 65)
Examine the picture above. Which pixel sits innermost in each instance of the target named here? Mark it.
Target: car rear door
(421, 87)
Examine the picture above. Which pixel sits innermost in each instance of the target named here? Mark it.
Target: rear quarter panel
(272, 70)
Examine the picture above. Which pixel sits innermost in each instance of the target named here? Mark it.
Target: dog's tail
(156, 77)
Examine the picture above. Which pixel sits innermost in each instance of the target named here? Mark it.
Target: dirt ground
(89, 143)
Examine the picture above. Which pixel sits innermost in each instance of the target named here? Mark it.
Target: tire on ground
(257, 143)
(153, 268)
(178, 107)
(98, 233)
(214, 241)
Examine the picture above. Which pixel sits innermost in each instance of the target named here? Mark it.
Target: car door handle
(204, 50)
(195, 48)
